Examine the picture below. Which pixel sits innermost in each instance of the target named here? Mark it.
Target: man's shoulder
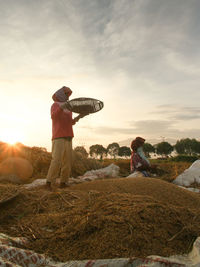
(55, 105)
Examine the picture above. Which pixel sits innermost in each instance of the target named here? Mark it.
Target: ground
(109, 218)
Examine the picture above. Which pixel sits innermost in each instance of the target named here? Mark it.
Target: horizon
(141, 58)
(120, 143)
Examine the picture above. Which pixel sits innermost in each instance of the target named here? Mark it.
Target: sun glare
(12, 137)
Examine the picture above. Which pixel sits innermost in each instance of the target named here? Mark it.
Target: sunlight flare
(12, 136)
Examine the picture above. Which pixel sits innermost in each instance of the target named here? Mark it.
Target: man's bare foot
(63, 185)
(48, 186)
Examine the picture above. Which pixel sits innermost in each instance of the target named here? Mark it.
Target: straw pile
(106, 219)
(8, 192)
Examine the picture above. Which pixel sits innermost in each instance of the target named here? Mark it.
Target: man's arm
(76, 119)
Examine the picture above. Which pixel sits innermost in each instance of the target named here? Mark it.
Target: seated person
(139, 162)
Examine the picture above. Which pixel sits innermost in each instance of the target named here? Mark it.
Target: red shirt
(61, 122)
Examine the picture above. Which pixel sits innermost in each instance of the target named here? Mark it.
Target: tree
(124, 151)
(97, 150)
(82, 151)
(195, 146)
(148, 148)
(164, 148)
(113, 149)
(187, 146)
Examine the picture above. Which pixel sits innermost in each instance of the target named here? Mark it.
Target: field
(40, 160)
(166, 170)
(107, 218)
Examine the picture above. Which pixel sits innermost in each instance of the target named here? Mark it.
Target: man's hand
(80, 116)
(83, 115)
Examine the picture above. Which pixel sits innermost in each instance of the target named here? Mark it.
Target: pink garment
(138, 163)
(61, 121)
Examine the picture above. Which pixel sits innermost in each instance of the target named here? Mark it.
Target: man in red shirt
(62, 134)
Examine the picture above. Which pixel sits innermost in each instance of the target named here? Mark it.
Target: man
(62, 134)
(139, 162)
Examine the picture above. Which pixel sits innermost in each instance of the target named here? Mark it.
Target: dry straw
(110, 218)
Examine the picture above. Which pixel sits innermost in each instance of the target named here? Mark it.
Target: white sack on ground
(11, 255)
(36, 183)
(110, 171)
(195, 190)
(190, 175)
(136, 174)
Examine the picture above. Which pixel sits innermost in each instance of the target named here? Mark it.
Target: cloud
(152, 141)
(146, 127)
(178, 113)
(132, 54)
(150, 129)
(146, 42)
(48, 39)
(138, 38)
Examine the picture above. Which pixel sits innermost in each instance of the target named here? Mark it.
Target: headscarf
(137, 142)
(60, 95)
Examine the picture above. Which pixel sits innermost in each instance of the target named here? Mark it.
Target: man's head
(140, 140)
(137, 142)
(62, 95)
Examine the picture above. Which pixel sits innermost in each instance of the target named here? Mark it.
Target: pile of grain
(8, 192)
(106, 219)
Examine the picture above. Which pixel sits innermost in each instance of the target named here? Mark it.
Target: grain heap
(8, 192)
(111, 218)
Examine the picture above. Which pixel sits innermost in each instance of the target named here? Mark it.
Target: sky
(140, 57)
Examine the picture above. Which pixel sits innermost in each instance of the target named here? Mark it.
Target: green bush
(184, 158)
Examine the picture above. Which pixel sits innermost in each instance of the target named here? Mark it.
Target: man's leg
(66, 163)
(57, 155)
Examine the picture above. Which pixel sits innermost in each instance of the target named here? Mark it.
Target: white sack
(110, 171)
(136, 174)
(190, 175)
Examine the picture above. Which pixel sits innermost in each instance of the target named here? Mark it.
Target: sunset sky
(140, 57)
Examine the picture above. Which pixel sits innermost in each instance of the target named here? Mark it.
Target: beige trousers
(61, 160)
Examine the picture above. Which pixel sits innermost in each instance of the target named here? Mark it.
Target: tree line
(185, 146)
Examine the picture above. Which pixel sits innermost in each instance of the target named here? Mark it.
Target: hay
(20, 167)
(8, 192)
(106, 219)
(158, 189)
